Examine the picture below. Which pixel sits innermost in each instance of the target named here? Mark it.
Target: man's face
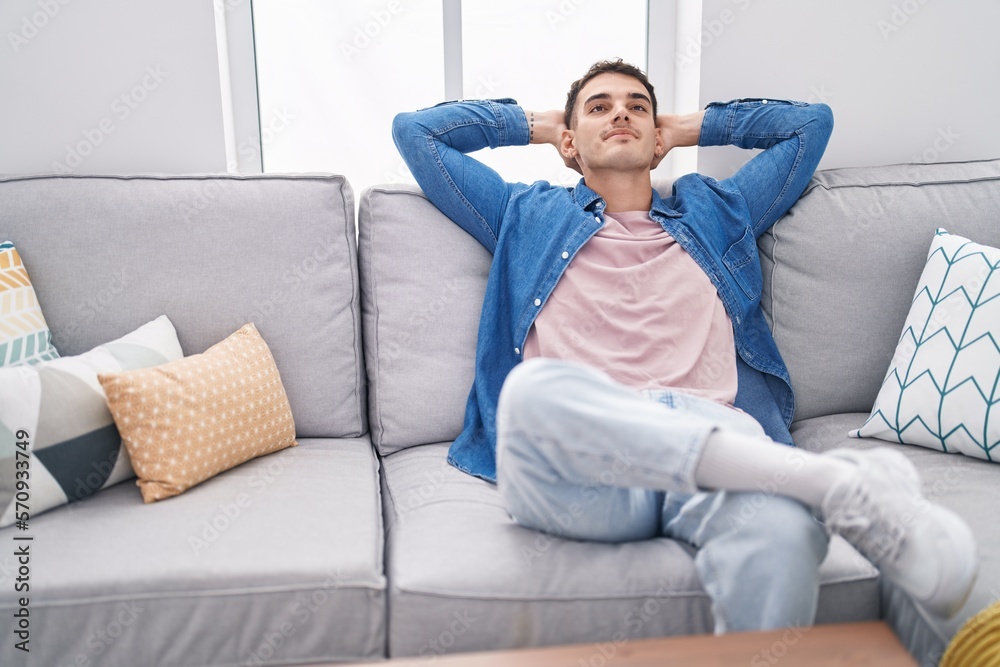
(614, 125)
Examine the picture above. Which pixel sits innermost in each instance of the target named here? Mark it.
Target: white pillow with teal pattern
(59, 410)
(942, 389)
(24, 335)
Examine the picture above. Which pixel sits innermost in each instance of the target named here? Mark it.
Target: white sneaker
(925, 549)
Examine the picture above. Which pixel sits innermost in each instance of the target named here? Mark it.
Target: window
(331, 75)
(532, 51)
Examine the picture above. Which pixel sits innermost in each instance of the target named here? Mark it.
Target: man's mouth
(621, 131)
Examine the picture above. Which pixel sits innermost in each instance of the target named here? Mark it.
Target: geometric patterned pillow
(24, 336)
(59, 408)
(942, 389)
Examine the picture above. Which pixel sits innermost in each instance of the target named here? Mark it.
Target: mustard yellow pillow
(977, 643)
(188, 420)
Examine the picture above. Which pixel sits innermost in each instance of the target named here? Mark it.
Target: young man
(627, 385)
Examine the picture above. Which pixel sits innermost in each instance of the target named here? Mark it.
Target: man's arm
(546, 127)
(678, 131)
(794, 136)
(433, 142)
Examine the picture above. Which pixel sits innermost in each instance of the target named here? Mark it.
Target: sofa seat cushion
(962, 484)
(463, 576)
(277, 561)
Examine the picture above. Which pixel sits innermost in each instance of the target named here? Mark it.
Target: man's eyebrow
(606, 96)
(598, 96)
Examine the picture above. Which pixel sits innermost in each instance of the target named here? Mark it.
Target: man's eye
(597, 107)
(639, 107)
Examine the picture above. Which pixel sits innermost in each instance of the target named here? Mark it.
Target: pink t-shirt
(634, 304)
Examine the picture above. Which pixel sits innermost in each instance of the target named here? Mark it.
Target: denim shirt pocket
(743, 262)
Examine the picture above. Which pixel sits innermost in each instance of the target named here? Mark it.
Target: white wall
(133, 84)
(908, 80)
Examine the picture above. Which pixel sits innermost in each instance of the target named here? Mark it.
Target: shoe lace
(866, 524)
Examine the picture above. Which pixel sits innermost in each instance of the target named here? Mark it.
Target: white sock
(733, 461)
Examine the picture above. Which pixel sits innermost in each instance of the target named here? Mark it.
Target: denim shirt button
(597, 219)
(538, 302)
(517, 350)
(763, 101)
(565, 255)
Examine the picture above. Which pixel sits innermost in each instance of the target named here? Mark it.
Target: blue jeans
(583, 457)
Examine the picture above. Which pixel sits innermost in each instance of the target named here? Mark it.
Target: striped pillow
(24, 335)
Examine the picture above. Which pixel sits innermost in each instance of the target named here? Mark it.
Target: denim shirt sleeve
(434, 141)
(793, 136)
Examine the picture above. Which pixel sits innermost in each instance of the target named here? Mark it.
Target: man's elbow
(822, 121)
(403, 125)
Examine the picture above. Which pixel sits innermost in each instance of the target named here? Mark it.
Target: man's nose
(621, 113)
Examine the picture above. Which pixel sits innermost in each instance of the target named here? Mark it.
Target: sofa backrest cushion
(840, 269)
(212, 252)
(422, 284)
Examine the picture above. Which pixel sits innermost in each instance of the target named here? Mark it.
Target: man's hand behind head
(546, 127)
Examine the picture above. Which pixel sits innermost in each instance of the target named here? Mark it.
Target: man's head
(611, 120)
(605, 67)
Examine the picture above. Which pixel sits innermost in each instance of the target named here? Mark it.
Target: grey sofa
(362, 542)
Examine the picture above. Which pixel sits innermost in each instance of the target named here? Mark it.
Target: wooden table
(841, 645)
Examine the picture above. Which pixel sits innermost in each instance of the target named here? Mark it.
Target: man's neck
(622, 191)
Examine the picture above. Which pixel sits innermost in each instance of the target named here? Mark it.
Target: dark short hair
(616, 66)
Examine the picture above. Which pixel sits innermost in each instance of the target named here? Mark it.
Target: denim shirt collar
(587, 198)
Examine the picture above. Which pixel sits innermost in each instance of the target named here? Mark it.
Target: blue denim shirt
(534, 231)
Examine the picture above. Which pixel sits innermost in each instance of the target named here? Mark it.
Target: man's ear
(567, 149)
(659, 150)
(567, 144)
